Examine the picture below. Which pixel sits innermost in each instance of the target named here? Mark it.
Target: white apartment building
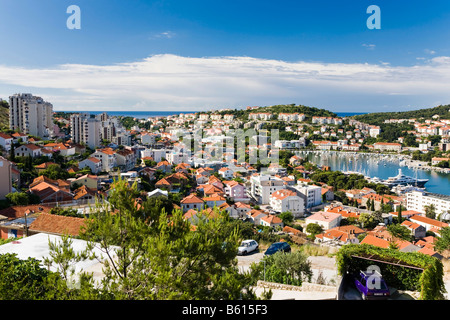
(30, 115)
(287, 200)
(312, 194)
(262, 186)
(107, 158)
(85, 128)
(417, 200)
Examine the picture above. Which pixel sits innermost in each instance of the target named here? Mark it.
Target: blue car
(372, 286)
(278, 246)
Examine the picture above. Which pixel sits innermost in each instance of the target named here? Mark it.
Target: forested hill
(309, 112)
(377, 118)
(4, 114)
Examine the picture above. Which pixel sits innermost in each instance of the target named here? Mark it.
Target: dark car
(278, 246)
(371, 285)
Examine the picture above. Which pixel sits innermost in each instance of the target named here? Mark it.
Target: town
(56, 167)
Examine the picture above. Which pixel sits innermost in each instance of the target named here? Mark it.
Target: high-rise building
(30, 115)
(85, 128)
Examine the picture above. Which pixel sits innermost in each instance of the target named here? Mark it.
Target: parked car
(371, 285)
(247, 246)
(278, 246)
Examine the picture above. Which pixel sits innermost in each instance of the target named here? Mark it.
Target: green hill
(4, 115)
(377, 118)
(309, 112)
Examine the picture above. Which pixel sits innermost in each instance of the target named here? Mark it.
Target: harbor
(379, 166)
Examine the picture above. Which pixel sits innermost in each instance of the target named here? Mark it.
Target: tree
(370, 220)
(287, 217)
(152, 254)
(399, 231)
(18, 198)
(430, 211)
(443, 242)
(313, 229)
(23, 279)
(287, 268)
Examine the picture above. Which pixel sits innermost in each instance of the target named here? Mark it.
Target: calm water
(385, 168)
(148, 114)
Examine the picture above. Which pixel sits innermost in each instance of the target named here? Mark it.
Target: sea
(383, 167)
(152, 114)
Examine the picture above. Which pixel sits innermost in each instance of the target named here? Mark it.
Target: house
(287, 200)
(126, 159)
(255, 216)
(235, 191)
(49, 190)
(6, 141)
(417, 231)
(92, 163)
(242, 209)
(26, 150)
(271, 221)
(327, 220)
(327, 193)
(164, 166)
(44, 166)
(429, 224)
(107, 157)
(192, 201)
(19, 137)
(16, 215)
(6, 177)
(85, 195)
(214, 200)
(340, 235)
(88, 180)
(157, 193)
(56, 225)
(226, 173)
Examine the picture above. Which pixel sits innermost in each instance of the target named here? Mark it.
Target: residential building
(26, 150)
(327, 220)
(271, 221)
(6, 141)
(262, 186)
(429, 224)
(192, 202)
(236, 191)
(30, 115)
(107, 157)
(340, 235)
(312, 194)
(85, 128)
(94, 164)
(287, 200)
(418, 200)
(387, 146)
(5, 177)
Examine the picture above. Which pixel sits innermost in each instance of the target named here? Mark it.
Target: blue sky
(196, 55)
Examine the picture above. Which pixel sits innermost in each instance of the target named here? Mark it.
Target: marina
(380, 167)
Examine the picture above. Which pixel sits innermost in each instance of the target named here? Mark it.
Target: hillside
(378, 118)
(309, 112)
(4, 115)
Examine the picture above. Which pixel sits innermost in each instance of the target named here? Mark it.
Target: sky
(204, 55)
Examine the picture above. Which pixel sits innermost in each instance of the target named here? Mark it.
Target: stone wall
(306, 286)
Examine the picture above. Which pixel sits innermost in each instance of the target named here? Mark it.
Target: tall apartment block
(30, 115)
(85, 128)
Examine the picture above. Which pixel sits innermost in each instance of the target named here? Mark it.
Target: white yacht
(401, 179)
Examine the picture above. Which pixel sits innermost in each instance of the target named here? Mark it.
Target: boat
(401, 179)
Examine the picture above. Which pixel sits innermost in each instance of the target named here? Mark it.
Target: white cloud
(171, 81)
(165, 34)
(369, 46)
(428, 51)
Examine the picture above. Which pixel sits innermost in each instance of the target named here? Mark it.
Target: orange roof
(429, 221)
(51, 223)
(271, 219)
(192, 198)
(282, 194)
(372, 240)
